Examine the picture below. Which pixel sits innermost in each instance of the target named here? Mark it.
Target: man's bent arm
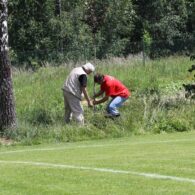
(99, 93)
(104, 99)
(84, 90)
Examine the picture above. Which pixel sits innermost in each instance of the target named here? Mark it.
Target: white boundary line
(95, 146)
(107, 170)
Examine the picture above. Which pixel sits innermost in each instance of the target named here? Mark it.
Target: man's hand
(94, 102)
(90, 104)
(104, 99)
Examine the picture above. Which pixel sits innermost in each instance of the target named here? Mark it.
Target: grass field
(147, 164)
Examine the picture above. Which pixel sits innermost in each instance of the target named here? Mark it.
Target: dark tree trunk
(58, 8)
(7, 106)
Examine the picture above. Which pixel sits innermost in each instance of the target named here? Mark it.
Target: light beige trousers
(73, 108)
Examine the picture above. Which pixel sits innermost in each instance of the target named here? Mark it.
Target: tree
(165, 23)
(111, 22)
(190, 10)
(30, 35)
(193, 27)
(193, 19)
(95, 14)
(58, 8)
(7, 106)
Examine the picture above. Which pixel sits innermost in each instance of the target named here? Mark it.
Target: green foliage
(171, 125)
(193, 17)
(96, 28)
(95, 13)
(117, 29)
(168, 29)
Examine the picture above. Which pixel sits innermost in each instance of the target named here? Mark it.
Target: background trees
(193, 19)
(37, 33)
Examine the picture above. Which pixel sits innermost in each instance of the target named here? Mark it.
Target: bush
(170, 125)
(40, 116)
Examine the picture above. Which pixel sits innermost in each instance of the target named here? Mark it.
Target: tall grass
(156, 104)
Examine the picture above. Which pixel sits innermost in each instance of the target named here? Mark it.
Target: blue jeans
(114, 104)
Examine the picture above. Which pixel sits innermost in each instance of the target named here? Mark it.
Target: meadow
(157, 104)
(147, 164)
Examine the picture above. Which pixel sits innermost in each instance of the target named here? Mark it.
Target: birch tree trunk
(7, 105)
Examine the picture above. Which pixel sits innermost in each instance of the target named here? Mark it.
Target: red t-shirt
(113, 87)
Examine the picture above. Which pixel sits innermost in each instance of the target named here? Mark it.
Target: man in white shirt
(74, 86)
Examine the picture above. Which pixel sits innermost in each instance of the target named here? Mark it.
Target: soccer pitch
(149, 164)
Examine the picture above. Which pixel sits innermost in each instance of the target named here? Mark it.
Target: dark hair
(98, 77)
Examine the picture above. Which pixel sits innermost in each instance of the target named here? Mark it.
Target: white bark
(4, 27)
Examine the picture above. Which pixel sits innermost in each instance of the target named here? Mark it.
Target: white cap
(89, 67)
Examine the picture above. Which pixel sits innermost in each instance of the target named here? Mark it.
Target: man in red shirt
(111, 87)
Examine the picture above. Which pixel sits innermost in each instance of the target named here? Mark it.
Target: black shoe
(108, 115)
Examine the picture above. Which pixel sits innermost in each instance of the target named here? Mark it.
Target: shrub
(170, 125)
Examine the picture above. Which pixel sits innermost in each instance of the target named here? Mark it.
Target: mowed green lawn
(149, 164)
